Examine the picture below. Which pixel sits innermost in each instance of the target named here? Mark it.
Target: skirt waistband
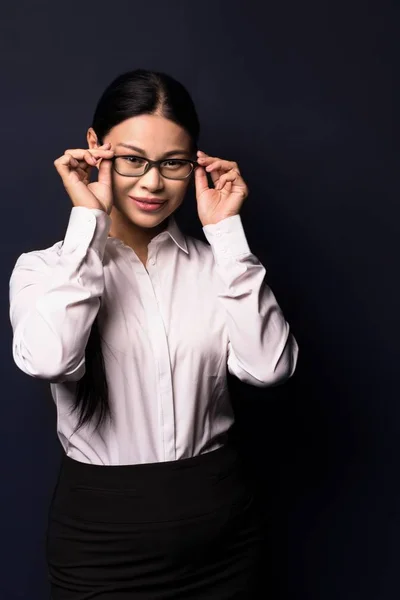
(150, 491)
(210, 464)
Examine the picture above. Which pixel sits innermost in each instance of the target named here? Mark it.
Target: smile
(148, 205)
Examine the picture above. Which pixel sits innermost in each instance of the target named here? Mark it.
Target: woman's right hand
(74, 167)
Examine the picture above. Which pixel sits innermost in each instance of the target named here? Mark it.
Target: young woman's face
(156, 138)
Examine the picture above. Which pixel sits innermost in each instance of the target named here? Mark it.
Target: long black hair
(131, 94)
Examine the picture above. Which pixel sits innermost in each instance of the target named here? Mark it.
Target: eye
(174, 163)
(134, 160)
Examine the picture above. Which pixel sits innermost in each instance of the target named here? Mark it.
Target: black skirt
(154, 531)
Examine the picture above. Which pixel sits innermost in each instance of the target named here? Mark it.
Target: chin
(146, 220)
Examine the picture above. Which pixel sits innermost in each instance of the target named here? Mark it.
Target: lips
(148, 200)
(149, 205)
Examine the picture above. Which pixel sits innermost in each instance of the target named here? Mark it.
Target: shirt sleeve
(55, 296)
(262, 351)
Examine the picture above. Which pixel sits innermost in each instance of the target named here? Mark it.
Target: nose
(152, 180)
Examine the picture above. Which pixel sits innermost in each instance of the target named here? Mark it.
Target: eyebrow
(141, 151)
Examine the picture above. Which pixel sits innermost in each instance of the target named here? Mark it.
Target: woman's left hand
(228, 195)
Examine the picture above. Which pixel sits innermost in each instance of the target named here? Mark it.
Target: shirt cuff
(227, 238)
(87, 228)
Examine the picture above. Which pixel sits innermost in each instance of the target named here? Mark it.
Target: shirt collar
(175, 233)
(172, 230)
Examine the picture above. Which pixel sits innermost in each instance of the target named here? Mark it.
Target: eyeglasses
(136, 166)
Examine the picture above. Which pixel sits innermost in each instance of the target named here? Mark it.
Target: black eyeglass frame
(155, 163)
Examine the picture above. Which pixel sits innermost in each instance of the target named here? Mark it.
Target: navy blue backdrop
(301, 95)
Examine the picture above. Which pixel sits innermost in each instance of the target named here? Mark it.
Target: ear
(92, 139)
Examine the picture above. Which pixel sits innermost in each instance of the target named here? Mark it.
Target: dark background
(302, 96)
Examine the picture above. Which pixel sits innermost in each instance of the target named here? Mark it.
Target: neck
(138, 238)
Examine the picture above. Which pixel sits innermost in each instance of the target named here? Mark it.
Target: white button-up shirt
(169, 333)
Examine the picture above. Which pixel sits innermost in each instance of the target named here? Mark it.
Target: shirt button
(152, 262)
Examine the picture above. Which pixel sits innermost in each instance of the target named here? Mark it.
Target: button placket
(161, 352)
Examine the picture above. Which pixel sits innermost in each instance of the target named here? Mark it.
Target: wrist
(217, 220)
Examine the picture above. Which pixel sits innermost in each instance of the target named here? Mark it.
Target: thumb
(105, 168)
(201, 180)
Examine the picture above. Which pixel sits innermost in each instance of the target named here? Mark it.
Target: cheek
(122, 186)
(174, 190)
(177, 190)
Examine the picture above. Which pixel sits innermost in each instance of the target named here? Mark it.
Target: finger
(84, 174)
(206, 159)
(84, 166)
(227, 187)
(65, 163)
(201, 180)
(106, 152)
(92, 158)
(203, 158)
(106, 147)
(90, 155)
(202, 155)
(76, 164)
(215, 175)
(105, 170)
(222, 165)
(232, 177)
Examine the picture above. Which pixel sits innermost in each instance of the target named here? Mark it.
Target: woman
(135, 325)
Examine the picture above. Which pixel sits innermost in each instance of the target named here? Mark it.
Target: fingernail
(107, 145)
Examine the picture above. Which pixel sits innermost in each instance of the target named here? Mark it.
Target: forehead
(150, 132)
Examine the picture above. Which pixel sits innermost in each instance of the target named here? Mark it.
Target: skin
(158, 138)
